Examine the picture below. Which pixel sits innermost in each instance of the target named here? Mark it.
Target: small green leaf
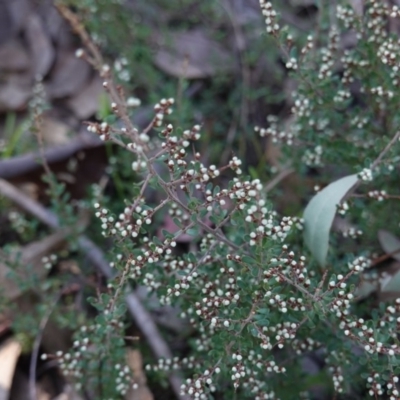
(389, 243)
(178, 223)
(319, 214)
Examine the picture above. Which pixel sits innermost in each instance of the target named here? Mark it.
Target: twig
(385, 150)
(37, 128)
(32, 207)
(278, 178)
(97, 258)
(16, 166)
(35, 351)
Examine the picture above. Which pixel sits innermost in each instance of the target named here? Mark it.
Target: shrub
(261, 303)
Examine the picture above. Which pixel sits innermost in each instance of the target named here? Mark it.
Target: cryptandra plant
(258, 305)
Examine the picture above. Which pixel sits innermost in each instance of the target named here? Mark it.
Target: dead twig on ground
(35, 350)
(17, 166)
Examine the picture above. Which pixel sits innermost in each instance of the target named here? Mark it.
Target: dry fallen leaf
(41, 48)
(389, 243)
(86, 102)
(9, 353)
(13, 56)
(6, 23)
(191, 54)
(19, 11)
(135, 362)
(68, 76)
(14, 95)
(54, 132)
(69, 393)
(56, 26)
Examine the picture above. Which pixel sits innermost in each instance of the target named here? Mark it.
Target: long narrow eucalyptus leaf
(319, 214)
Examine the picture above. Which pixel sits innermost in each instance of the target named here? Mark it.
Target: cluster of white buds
(328, 55)
(192, 134)
(352, 233)
(359, 264)
(199, 387)
(124, 380)
(149, 255)
(162, 108)
(278, 336)
(394, 12)
(377, 22)
(184, 283)
(216, 299)
(302, 107)
(275, 135)
(388, 52)
(337, 378)
(291, 64)
(171, 364)
(107, 221)
(150, 282)
(18, 221)
(348, 63)
(238, 370)
(138, 165)
(270, 15)
(392, 387)
(133, 102)
(74, 362)
(346, 15)
(122, 69)
(342, 208)
(366, 175)
(313, 158)
(359, 122)
(129, 222)
(309, 45)
(374, 385)
(175, 211)
(341, 303)
(49, 261)
(364, 333)
(176, 147)
(235, 164)
(382, 92)
(391, 317)
(304, 346)
(102, 129)
(245, 191)
(379, 195)
(341, 96)
(287, 266)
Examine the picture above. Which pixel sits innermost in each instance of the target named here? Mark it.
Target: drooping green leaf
(389, 243)
(366, 288)
(393, 284)
(319, 214)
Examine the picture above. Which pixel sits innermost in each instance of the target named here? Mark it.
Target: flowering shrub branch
(257, 303)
